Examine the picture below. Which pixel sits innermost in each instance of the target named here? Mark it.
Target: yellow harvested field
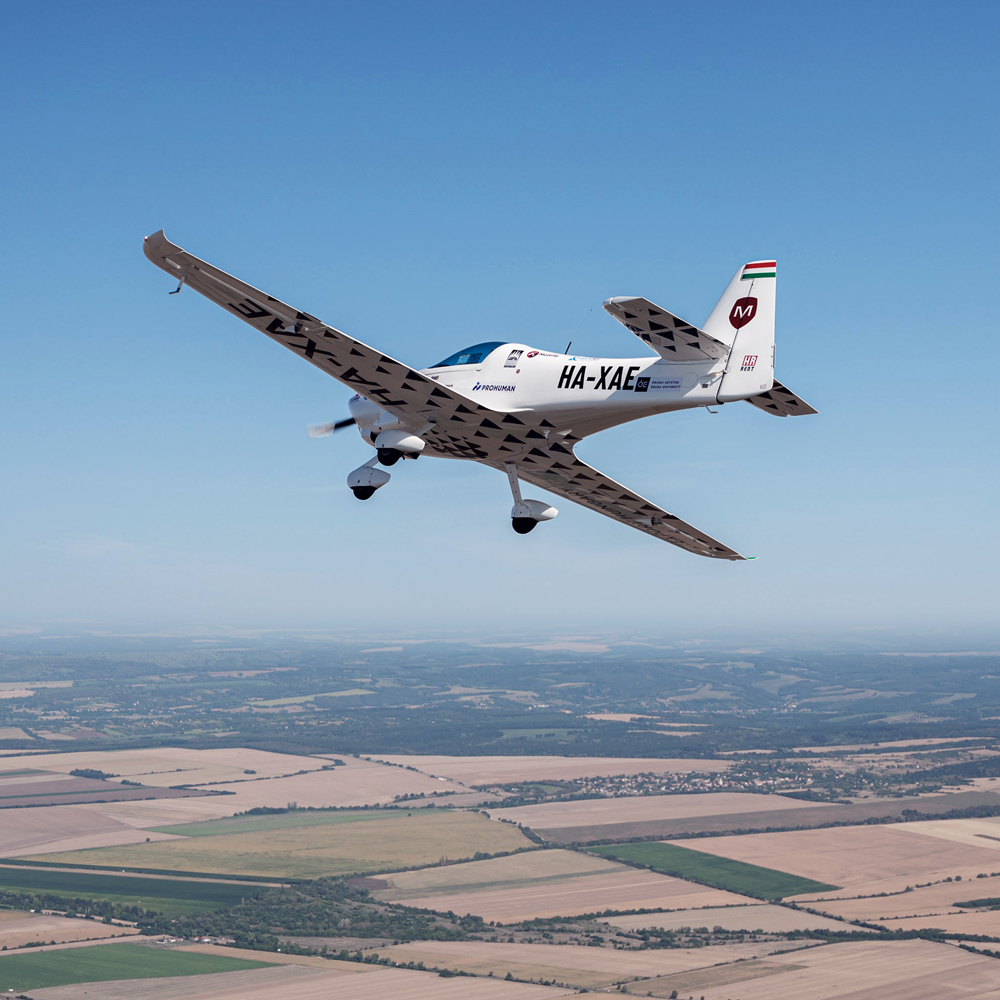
(640, 808)
(571, 965)
(356, 783)
(759, 917)
(933, 899)
(12, 733)
(893, 970)
(18, 928)
(394, 841)
(862, 859)
(983, 833)
(971, 922)
(64, 828)
(546, 884)
(503, 770)
(356, 982)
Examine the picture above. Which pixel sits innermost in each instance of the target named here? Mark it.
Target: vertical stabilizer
(744, 318)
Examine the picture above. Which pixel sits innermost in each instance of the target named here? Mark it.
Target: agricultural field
(18, 929)
(306, 980)
(583, 967)
(862, 859)
(592, 814)
(764, 917)
(64, 828)
(914, 970)
(34, 971)
(397, 839)
(505, 770)
(545, 883)
(169, 896)
(713, 870)
(926, 902)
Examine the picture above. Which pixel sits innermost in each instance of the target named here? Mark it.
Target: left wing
(394, 386)
(667, 334)
(555, 468)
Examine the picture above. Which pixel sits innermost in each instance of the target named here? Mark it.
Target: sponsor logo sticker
(532, 354)
(512, 359)
(642, 384)
(749, 363)
(742, 312)
(483, 387)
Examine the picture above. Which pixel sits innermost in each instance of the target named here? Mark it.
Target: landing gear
(364, 481)
(389, 456)
(525, 514)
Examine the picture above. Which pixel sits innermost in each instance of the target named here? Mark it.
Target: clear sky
(427, 176)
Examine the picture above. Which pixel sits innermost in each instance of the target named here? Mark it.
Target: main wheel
(522, 525)
(389, 456)
(363, 492)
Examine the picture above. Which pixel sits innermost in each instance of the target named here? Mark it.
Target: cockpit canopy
(471, 355)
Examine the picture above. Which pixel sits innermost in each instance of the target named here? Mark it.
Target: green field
(171, 897)
(104, 962)
(280, 821)
(710, 869)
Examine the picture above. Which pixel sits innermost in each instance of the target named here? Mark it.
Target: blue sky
(430, 176)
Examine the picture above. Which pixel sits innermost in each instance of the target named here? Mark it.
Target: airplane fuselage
(575, 393)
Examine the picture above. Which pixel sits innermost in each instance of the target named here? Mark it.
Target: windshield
(471, 355)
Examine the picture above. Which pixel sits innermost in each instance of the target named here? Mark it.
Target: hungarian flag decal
(759, 269)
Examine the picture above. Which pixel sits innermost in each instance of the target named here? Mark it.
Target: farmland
(543, 884)
(862, 859)
(713, 870)
(111, 961)
(397, 839)
(165, 895)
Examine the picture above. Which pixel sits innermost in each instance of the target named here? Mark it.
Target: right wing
(781, 402)
(667, 334)
(394, 386)
(555, 468)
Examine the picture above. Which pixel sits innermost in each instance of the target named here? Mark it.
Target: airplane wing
(781, 402)
(555, 468)
(394, 386)
(671, 337)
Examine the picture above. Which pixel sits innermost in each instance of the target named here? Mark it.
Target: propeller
(325, 430)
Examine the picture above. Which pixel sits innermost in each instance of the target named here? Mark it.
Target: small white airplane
(521, 410)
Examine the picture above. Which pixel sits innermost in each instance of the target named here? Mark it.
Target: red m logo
(743, 311)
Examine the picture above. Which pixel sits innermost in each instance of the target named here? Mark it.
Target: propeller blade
(325, 430)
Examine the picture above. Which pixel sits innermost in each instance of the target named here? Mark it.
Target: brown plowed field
(645, 808)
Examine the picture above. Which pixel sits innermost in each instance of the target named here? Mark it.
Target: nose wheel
(522, 525)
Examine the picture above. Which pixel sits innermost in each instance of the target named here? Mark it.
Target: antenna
(568, 346)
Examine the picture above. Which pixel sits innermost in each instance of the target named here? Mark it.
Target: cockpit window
(471, 355)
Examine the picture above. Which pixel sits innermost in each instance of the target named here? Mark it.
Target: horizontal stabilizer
(670, 336)
(781, 402)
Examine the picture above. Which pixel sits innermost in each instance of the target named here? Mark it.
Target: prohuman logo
(743, 311)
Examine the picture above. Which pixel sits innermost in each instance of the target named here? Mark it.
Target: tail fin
(744, 318)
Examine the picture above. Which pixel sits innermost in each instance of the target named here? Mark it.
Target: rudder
(744, 318)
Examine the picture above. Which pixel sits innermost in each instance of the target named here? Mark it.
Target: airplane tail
(744, 319)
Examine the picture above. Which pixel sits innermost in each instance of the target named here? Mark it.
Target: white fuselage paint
(577, 394)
